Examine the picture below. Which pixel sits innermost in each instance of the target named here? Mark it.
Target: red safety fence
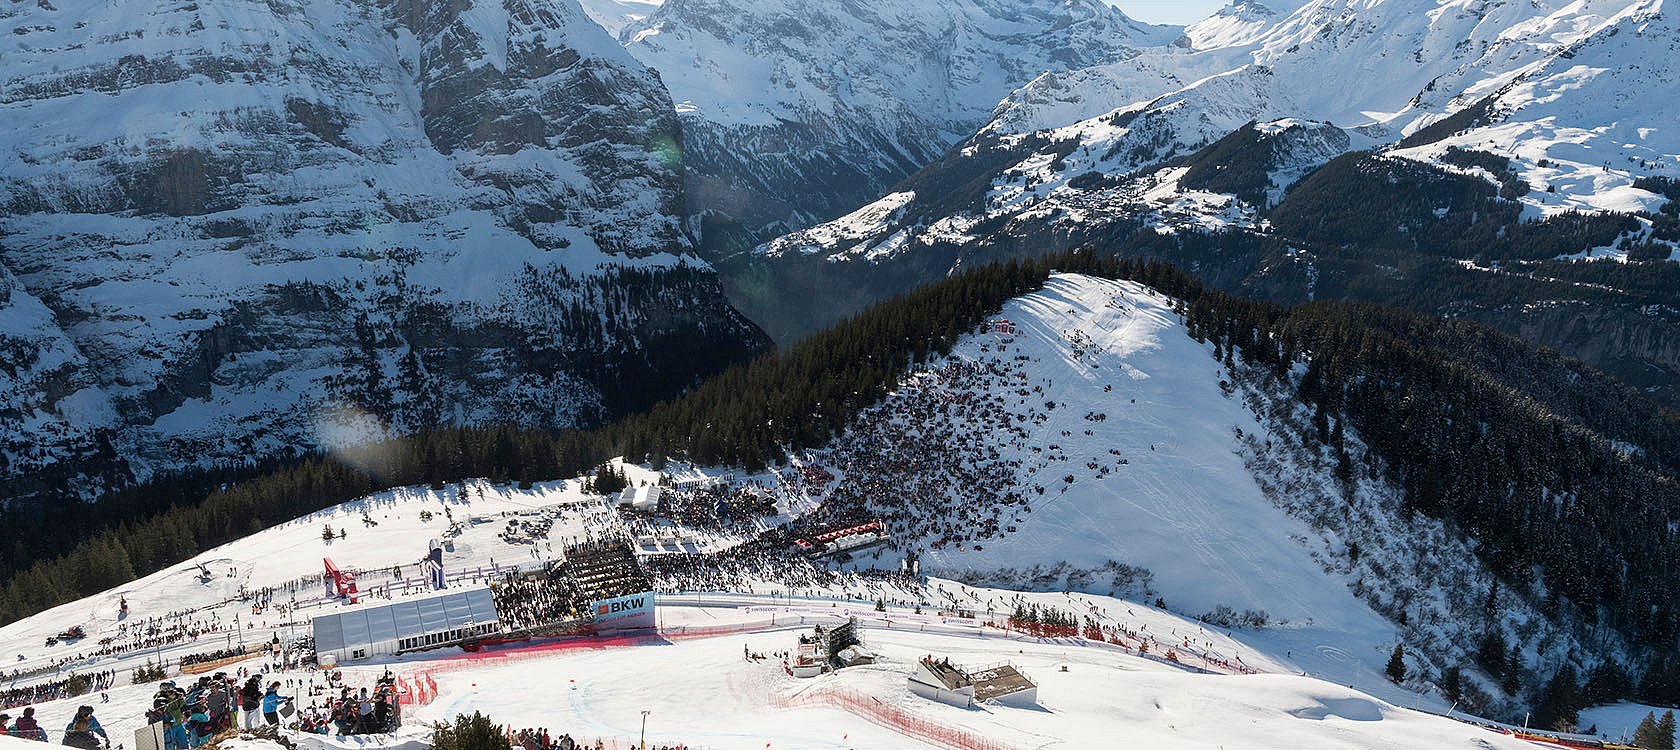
(1149, 647)
(892, 717)
(417, 689)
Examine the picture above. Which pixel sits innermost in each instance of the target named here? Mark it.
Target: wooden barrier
(211, 666)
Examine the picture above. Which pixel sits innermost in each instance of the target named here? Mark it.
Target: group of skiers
(83, 731)
(192, 716)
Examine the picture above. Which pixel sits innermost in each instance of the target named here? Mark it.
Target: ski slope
(600, 691)
(1101, 696)
(1147, 460)
(1171, 494)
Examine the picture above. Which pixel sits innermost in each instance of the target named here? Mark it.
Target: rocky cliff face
(799, 111)
(231, 229)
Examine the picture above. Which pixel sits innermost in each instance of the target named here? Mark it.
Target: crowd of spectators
(335, 707)
(541, 599)
(605, 569)
(210, 656)
(538, 738)
(926, 460)
(591, 571)
(770, 564)
(718, 507)
(156, 632)
(70, 686)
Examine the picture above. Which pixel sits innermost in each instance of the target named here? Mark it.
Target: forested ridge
(1556, 469)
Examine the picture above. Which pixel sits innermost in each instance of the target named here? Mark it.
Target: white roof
(644, 496)
(403, 618)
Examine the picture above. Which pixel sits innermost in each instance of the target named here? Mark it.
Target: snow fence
(876, 711)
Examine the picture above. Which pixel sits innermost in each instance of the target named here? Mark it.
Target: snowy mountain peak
(1239, 23)
(795, 111)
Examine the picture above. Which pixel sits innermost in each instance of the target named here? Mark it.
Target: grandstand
(599, 587)
(605, 570)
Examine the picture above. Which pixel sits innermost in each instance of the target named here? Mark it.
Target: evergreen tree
(1396, 668)
(1664, 739)
(608, 481)
(474, 732)
(1607, 683)
(1511, 678)
(1452, 685)
(1559, 702)
(1645, 735)
(1491, 654)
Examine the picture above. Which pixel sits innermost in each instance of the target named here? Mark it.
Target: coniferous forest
(1554, 468)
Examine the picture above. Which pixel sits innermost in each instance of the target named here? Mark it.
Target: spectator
(81, 730)
(271, 704)
(28, 728)
(250, 699)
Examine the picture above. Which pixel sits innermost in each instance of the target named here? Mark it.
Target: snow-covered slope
(1100, 448)
(1164, 473)
(1239, 24)
(615, 15)
(1585, 123)
(796, 111)
(220, 221)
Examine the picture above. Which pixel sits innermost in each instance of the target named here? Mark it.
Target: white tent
(645, 498)
(427, 621)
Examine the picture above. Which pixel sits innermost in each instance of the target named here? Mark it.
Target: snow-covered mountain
(233, 229)
(797, 111)
(615, 15)
(1586, 121)
(1378, 70)
(1571, 93)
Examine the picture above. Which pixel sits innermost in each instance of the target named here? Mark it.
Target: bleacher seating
(604, 570)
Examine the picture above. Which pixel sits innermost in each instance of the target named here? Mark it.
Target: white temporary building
(644, 498)
(434, 619)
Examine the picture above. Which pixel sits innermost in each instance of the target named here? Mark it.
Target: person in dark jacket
(81, 730)
(221, 702)
(250, 699)
(271, 704)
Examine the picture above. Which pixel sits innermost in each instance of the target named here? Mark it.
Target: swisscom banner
(623, 612)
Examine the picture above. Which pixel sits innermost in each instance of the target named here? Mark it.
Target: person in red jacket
(28, 728)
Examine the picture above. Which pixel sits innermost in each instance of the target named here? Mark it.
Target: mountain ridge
(322, 220)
